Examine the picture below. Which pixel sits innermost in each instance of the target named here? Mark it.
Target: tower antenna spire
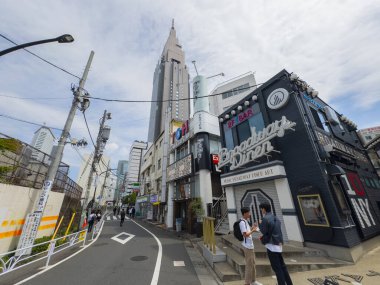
(172, 23)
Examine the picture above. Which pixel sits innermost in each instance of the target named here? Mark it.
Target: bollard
(50, 252)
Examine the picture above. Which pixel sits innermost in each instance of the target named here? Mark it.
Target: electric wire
(28, 122)
(171, 100)
(48, 62)
(38, 98)
(88, 129)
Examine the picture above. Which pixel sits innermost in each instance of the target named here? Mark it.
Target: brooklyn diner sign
(255, 146)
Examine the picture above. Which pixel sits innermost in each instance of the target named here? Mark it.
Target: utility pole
(32, 221)
(101, 140)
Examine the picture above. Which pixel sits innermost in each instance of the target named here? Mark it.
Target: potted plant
(196, 207)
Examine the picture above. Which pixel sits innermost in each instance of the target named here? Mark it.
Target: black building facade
(285, 145)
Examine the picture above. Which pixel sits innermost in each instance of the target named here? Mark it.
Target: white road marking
(178, 263)
(114, 217)
(157, 268)
(63, 260)
(108, 218)
(118, 216)
(123, 241)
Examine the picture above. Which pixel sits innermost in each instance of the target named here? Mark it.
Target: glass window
(214, 146)
(319, 119)
(228, 137)
(243, 131)
(256, 122)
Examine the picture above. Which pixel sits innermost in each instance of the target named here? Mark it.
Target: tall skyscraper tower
(170, 82)
(122, 168)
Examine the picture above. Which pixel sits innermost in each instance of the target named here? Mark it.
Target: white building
(366, 135)
(233, 90)
(132, 178)
(43, 140)
(99, 177)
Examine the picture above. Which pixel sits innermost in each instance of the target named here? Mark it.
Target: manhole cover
(139, 258)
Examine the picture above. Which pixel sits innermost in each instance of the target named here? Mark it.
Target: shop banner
(202, 145)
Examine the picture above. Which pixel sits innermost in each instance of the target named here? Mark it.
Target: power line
(32, 123)
(29, 98)
(88, 129)
(48, 62)
(172, 100)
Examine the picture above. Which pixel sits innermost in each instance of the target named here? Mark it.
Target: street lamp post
(61, 39)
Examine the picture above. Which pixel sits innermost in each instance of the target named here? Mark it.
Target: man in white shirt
(272, 238)
(247, 243)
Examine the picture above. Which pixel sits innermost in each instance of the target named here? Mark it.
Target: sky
(332, 45)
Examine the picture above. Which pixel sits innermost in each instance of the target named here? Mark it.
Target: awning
(333, 169)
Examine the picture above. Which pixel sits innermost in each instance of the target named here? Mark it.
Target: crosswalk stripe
(114, 217)
(118, 217)
(108, 218)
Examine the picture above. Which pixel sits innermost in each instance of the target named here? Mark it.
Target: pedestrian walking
(133, 212)
(122, 217)
(91, 220)
(270, 227)
(114, 211)
(130, 212)
(118, 211)
(248, 247)
(98, 215)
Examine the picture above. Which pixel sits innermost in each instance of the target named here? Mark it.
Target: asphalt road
(110, 262)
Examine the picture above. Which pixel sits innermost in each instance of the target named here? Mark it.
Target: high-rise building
(43, 140)
(98, 181)
(122, 168)
(132, 179)
(170, 82)
(233, 91)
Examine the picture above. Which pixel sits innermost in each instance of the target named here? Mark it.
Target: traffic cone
(84, 223)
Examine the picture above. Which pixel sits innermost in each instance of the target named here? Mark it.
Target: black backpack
(237, 232)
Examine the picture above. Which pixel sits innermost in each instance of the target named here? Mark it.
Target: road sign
(123, 237)
(29, 232)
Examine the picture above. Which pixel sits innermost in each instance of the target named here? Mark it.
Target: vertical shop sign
(203, 152)
(359, 202)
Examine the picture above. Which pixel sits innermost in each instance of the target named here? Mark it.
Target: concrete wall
(15, 203)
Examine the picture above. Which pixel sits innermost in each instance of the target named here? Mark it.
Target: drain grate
(139, 258)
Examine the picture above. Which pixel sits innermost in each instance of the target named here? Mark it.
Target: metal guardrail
(209, 233)
(16, 259)
(23, 165)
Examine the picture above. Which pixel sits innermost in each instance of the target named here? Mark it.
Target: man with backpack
(245, 236)
(272, 238)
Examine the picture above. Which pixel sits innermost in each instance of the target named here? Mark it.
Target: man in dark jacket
(122, 217)
(272, 238)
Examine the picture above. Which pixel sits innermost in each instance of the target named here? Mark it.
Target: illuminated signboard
(180, 132)
(240, 118)
(255, 146)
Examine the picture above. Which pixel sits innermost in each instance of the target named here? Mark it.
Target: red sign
(215, 158)
(240, 118)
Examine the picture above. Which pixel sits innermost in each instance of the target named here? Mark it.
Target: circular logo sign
(278, 98)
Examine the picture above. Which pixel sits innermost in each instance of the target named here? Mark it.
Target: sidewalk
(370, 261)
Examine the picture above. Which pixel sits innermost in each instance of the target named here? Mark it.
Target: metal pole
(27, 238)
(3, 52)
(95, 161)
